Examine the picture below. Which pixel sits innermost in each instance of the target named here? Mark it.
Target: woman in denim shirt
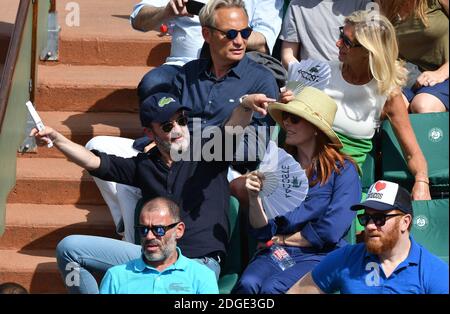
(322, 220)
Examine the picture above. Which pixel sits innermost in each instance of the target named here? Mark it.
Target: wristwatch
(241, 99)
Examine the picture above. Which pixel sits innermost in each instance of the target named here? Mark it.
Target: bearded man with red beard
(388, 262)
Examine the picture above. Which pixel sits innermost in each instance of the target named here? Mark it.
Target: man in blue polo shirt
(161, 269)
(389, 261)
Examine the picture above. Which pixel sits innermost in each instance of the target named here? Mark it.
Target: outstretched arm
(150, 17)
(74, 152)
(395, 109)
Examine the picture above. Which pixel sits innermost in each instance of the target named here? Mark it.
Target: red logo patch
(380, 186)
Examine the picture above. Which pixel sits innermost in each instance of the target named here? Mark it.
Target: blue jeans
(157, 80)
(80, 256)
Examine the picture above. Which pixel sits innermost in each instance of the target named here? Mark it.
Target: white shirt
(265, 17)
(359, 106)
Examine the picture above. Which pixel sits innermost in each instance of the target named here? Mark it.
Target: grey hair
(174, 209)
(207, 13)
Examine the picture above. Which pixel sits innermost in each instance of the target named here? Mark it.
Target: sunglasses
(168, 126)
(232, 33)
(378, 219)
(347, 42)
(294, 118)
(158, 230)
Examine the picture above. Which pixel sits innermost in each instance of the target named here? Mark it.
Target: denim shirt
(324, 217)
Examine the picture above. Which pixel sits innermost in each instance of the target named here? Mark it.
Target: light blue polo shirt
(353, 270)
(185, 276)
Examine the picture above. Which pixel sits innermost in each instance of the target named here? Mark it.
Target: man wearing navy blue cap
(389, 261)
(200, 188)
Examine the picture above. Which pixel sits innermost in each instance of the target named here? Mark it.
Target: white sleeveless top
(359, 106)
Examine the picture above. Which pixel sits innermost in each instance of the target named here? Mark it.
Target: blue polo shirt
(212, 99)
(185, 276)
(353, 270)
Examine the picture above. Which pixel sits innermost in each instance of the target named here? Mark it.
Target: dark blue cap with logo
(159, 107)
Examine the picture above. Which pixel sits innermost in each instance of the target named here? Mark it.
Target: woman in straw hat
(367, 81)
(320, 223)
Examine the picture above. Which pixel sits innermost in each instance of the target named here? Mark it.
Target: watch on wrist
(241, 99)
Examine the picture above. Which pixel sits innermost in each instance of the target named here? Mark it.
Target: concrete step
(89, 88)
(53, 181)
(81, 127)
(104, 35)
(42, 226)
(36, 270)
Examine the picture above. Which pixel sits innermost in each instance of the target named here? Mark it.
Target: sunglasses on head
(347, 42)
(168, 126)
(292, 117)
(378, 219)
(158, 230)
(232, 33)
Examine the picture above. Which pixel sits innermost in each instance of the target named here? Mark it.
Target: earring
(315, 133)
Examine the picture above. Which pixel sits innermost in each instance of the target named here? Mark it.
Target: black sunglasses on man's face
(232, 33)
(157, 230)
(378, 219)
(168, 126)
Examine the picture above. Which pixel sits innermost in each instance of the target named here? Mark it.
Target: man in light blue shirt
(265, 18)
(161, 269)
(388, 262)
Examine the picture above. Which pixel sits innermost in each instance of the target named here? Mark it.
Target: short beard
(383, 244)
(166, 250)
(174, 148)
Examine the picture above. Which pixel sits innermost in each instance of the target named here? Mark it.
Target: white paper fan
(308, 72)
(285, 185)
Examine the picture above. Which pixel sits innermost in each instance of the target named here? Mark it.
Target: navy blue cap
(384, 196)
(159, 107)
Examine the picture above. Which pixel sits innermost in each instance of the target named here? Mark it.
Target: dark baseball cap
(159, 107)
(384, 196)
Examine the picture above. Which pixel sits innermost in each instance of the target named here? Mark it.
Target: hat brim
(373, 205)
(298, 108)
(169, 113)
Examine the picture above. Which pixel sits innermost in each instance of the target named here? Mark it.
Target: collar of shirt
(412, 259)
(238, 69)
(180, 264)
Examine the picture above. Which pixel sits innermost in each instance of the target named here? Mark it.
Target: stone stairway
(90, 91)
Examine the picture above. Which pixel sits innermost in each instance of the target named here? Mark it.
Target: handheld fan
(285, 185)
(308, 73)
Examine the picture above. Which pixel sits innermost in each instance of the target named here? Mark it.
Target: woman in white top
(365, 84)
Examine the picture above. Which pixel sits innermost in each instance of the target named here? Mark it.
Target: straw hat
(312, 105)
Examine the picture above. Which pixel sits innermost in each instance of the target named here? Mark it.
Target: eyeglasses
(158, 230)
(232, 33)
(292, 117)
(347, 42)
(378, 219)
(168, 126)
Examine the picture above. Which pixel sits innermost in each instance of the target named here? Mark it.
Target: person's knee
(425, 103)
(250, 282)
(96, 142)
(273, 286)
(65, 250)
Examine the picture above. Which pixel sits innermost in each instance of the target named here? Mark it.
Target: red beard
(383, 243)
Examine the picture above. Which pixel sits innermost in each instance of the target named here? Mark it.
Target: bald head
(162, 203)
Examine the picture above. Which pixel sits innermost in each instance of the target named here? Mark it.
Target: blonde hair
(207, 13)
(417, 8)
(376, 34)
